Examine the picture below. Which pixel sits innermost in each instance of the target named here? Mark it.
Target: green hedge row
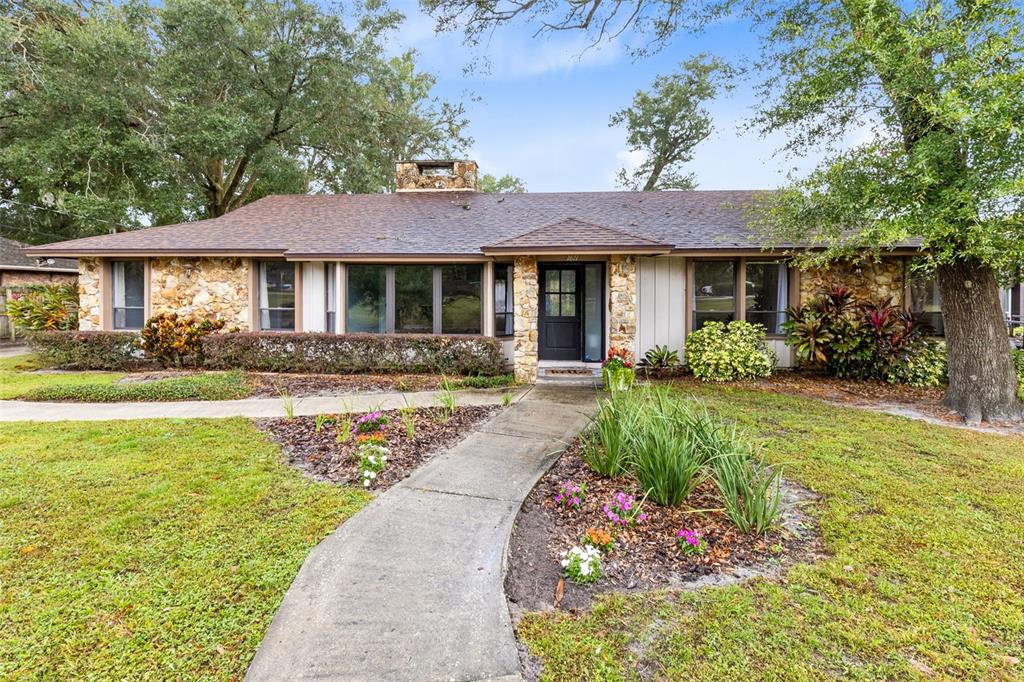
(287, 352)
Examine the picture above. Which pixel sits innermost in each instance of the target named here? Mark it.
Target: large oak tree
(128, 113)
(934, 91)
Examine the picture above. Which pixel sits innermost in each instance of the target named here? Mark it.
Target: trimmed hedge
(287, 352)
(89, 350)
(353, 353)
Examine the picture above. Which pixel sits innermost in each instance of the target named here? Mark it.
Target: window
(714, 292)
(277, 295)
(924, 301)
(331, 304)
(460, 299)
(366, 299)
(504, 303)
(767, 294)
(414, 299)
(129, 294)
(560, 293)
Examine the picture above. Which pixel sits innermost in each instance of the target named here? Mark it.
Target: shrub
(88, 350)
(353, 353)
(571, 495)
(661, 357)
(859, 338)
(599, 539)
(617, 370)
(750, 490)
(373, 458)
(691, 542)
(923, 364)
(717, 352)
(171, 339)
(1018, 363)
(605, 445)
(666, 461)
(44, 306)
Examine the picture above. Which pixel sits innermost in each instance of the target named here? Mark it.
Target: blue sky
(544, 104)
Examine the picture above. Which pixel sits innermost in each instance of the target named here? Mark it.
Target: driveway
(412, 587)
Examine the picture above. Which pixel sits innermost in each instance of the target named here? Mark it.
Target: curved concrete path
(23, 410)
(412, 587)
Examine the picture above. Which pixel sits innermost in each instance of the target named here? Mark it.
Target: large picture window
(366, 311)
(714, 292)
(767, 294)
(415, 299)
(277, 295)
(504, 303)
(461, 310)
(128, 288)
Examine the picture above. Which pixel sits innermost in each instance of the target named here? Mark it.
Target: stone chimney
(434, 176)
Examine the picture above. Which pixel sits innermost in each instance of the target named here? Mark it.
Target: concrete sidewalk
(412, 587)
(22, 410)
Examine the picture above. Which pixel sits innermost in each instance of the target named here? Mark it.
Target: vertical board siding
(314, 297)
(661, 303)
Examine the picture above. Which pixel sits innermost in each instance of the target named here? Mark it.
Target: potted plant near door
(617, 370)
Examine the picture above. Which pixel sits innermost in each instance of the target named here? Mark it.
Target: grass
(212, 386)
(148, 549)
(18, 377)
(497, 381)
(924, 528)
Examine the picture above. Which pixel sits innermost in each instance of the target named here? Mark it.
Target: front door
(561, 291)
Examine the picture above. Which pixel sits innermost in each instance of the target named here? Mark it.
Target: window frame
(739, 287)
(330, 292)
(296, 300)
(781, 312)
(113, 295)
(508, 316)
(436, 296)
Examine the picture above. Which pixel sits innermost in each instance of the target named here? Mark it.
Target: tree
(503, 185)
(130, 113)
(938, 92)
(667, 123)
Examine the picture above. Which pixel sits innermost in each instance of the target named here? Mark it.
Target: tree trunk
(982, 380)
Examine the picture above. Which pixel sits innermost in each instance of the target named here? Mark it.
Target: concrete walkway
(23, 410)
(412, 587)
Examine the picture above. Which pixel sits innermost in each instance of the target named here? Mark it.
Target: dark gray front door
(561, 289)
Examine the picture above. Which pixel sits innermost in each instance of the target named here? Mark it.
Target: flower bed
(647, 553)
(318, 452)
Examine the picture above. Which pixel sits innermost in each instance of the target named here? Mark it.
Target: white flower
(585, 569)
(373, 474)
(565, 562)
(366, 484)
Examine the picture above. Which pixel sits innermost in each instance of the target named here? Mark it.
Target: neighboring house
(17, 268)
(559, 277)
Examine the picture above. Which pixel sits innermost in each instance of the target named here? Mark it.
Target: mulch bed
(646, 555)
(320, 456)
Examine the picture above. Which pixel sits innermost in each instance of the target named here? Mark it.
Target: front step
(580, 375)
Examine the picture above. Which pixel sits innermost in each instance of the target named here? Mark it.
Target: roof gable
(573, 234)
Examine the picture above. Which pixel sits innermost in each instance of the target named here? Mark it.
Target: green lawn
(18, 379)
(925, 529)
(148, 549)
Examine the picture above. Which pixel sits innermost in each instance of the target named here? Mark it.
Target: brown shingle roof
(573, 234)
(429, 224)
(13, 256)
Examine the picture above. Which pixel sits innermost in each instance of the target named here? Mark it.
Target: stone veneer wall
(622, 302)
(527, 302)
(205, 287)
(90, 295)
(884, 279)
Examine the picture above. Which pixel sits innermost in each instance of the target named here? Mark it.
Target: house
(558, 277)
(18, 269)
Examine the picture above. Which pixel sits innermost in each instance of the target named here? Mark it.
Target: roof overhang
(575, 250)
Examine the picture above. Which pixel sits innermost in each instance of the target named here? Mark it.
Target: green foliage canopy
(134, 113)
